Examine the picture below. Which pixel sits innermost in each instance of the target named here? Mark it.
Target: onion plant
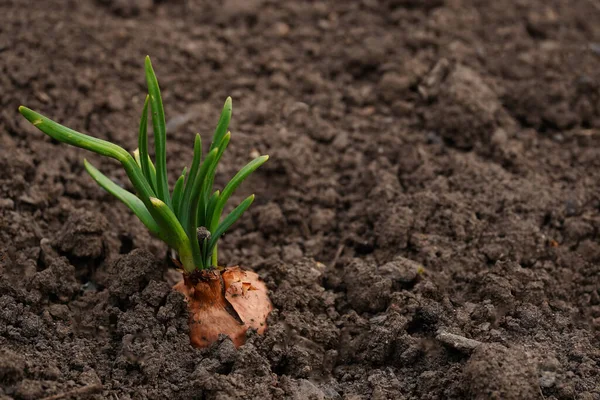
(187, 218)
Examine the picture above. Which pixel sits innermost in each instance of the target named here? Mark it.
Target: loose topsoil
(428, 224)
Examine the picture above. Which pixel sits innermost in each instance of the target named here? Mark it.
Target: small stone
(547, 379)
(7, 203)
(457, 342)
(499, 137)
(281, 29)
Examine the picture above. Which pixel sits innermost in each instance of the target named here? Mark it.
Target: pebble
(7, 203)
(547, 379)
(457, 342)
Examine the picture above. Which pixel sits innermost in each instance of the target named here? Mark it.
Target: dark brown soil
(428, 224)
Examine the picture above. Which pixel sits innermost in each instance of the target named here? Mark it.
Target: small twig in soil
(93, 388)
(337, 256)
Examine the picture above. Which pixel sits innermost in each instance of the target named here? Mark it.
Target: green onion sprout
(176, 217)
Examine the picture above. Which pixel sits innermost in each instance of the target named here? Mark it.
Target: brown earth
(439, 159)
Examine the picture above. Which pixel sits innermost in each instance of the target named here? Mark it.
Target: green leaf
(195, 161)
(211, 204)
(152, 180)
(174, 218)
(129, 199)
(187, 192)
(223, 124)
(228, 221)
(136, 156)
(215, 257)
(152, 172)
(160, 134)
(193, 203)
(203, 216)
(231, 186)
(98, 146)
(143, 145)
(178, 191)
(74, 138)
(174, 234)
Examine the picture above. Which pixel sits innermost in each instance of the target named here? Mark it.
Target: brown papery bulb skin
(224, 301)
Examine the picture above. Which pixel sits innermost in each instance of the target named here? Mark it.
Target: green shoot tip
(31, 116)
(156, 202)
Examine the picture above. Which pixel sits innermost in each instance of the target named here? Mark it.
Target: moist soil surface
(428, 224)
